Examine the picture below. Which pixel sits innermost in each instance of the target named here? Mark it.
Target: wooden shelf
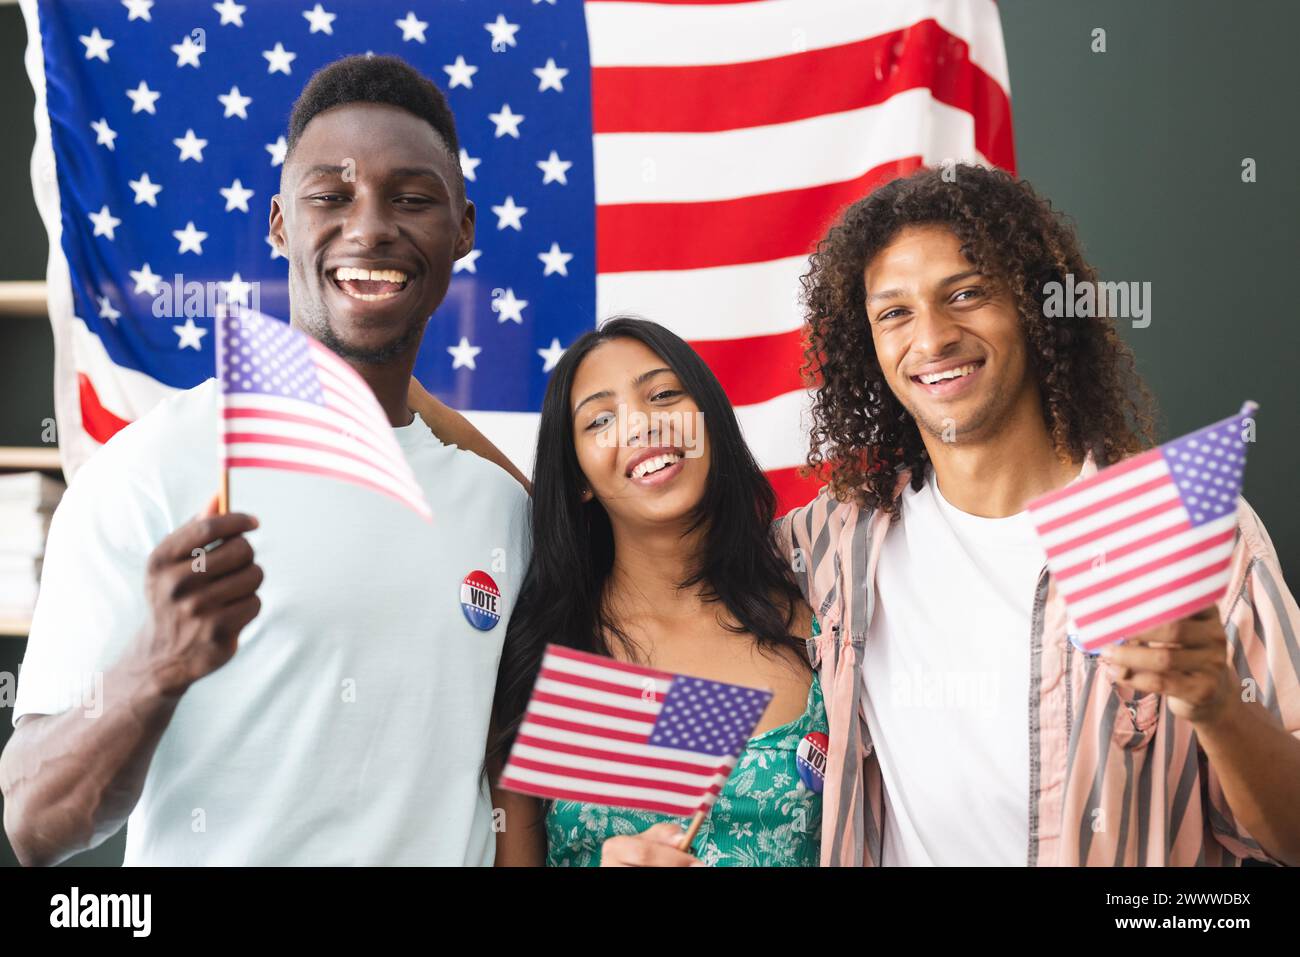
(26, 298)
(15, 627)
(42, 458)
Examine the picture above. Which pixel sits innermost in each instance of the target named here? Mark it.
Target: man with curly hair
(966, 726)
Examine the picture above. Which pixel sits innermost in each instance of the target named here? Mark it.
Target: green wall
(26, 348)
(1143, 146)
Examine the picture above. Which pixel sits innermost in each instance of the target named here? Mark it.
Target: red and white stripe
(348, 439)
(728, 137)
(1124, 553)
(585, 737)
(109, 396)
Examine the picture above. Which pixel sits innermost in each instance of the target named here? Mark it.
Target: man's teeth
(381, 275)
(933, 377)
(654, 464)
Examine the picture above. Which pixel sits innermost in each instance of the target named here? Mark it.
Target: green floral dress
(764, 817)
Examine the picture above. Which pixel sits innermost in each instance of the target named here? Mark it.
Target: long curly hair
(861, 436)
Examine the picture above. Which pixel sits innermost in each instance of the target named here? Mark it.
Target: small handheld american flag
(289, 403)
(606, 732)
(1148, 540)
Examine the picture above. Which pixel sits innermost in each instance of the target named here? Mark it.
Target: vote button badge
(480, 599)
(810, 761)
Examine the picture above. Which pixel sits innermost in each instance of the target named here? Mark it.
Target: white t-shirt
(350, 726)
(946, 670)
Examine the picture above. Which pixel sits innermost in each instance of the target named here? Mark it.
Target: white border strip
(75, 446)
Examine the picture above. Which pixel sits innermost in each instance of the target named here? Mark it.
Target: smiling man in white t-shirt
(317, 693)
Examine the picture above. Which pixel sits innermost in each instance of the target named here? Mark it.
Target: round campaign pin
(481, 600)
(810, 760)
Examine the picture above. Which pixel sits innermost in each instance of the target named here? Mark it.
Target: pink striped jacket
(1114, 778)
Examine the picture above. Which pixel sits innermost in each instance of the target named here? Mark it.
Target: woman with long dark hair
(651, 544)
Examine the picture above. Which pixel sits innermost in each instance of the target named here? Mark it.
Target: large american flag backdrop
(675, 160)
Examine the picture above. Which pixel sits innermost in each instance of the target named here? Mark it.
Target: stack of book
(27, 500)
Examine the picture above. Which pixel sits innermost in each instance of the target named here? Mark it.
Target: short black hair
(366, 78)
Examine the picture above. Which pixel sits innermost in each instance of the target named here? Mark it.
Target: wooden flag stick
(691, 831)
(223, 489)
